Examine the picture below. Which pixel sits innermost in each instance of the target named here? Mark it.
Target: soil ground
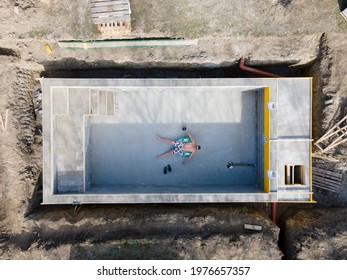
(307, 35)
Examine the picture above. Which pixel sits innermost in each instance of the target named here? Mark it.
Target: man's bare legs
(169, 141)
(169, 153)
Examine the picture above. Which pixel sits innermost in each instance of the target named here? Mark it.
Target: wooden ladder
(334, 136)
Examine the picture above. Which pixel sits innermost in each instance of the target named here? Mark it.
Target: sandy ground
(309, 34)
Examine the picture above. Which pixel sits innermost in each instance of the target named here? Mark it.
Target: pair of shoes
(167, 168)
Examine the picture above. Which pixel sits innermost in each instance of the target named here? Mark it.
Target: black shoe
(165, 170)
(169, 168)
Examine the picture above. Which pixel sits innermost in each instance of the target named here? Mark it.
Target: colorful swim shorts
(178, 144)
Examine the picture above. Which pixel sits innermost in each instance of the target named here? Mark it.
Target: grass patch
(38, 34)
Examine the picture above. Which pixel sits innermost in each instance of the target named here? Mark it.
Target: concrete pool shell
(100, 141)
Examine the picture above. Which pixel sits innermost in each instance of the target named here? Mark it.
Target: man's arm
(190, 136)
(190, 157)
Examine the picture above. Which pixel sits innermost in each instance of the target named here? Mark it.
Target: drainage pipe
(273, 211)
(263, 73)
(253, 70)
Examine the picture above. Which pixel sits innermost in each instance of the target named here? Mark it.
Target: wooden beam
(326, 187)
(326, 172)
(4, 122)
(108, 3)
(110, 20)
(115, 8)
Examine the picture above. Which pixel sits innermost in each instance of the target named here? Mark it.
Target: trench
(71, 68)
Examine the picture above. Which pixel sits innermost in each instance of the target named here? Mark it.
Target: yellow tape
(267, 136)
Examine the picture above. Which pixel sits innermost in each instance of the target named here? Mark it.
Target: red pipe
(273, 211)
(253, 70)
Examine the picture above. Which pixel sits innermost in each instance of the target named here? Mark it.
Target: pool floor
(122, 152)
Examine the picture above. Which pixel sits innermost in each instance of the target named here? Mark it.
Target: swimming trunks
(178, 144)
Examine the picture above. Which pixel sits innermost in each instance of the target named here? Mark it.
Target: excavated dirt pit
(131, 219)
(191, 231)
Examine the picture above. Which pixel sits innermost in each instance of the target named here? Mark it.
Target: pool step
(103, 102)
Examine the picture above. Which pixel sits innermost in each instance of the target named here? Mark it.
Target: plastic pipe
(273, 211)
(253, 70)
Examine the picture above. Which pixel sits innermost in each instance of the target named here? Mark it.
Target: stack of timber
(326, 180)
(112, 17)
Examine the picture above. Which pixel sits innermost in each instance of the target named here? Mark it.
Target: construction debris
(48, 49)
(112, 17)
(128, 43)
(327, 180)
(4, 122)
(253, 227)
(335, 136)
(344, 13)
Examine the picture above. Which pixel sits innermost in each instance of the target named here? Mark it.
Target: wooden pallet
(112, 17)
(327, 180)
(334, 136)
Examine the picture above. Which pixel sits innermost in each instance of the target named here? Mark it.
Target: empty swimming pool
(100, 141)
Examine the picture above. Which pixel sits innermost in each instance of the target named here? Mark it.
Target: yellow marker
(267, 166)
(48, 49)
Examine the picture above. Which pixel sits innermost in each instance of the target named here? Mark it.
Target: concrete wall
(100, 134)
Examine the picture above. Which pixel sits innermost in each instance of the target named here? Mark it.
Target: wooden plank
(112, 14)
(103, 4)
(332, 184)
(323, 171)
(253, 227)
(110, 19)
(334, 179)
(108, 1)
(325, 187)
(335, 187)
(330, 133)
(344, 14)
(110, 9)
(322, 184)
(335, 143)
(337, 131)
(327, 180)
(4, 122)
